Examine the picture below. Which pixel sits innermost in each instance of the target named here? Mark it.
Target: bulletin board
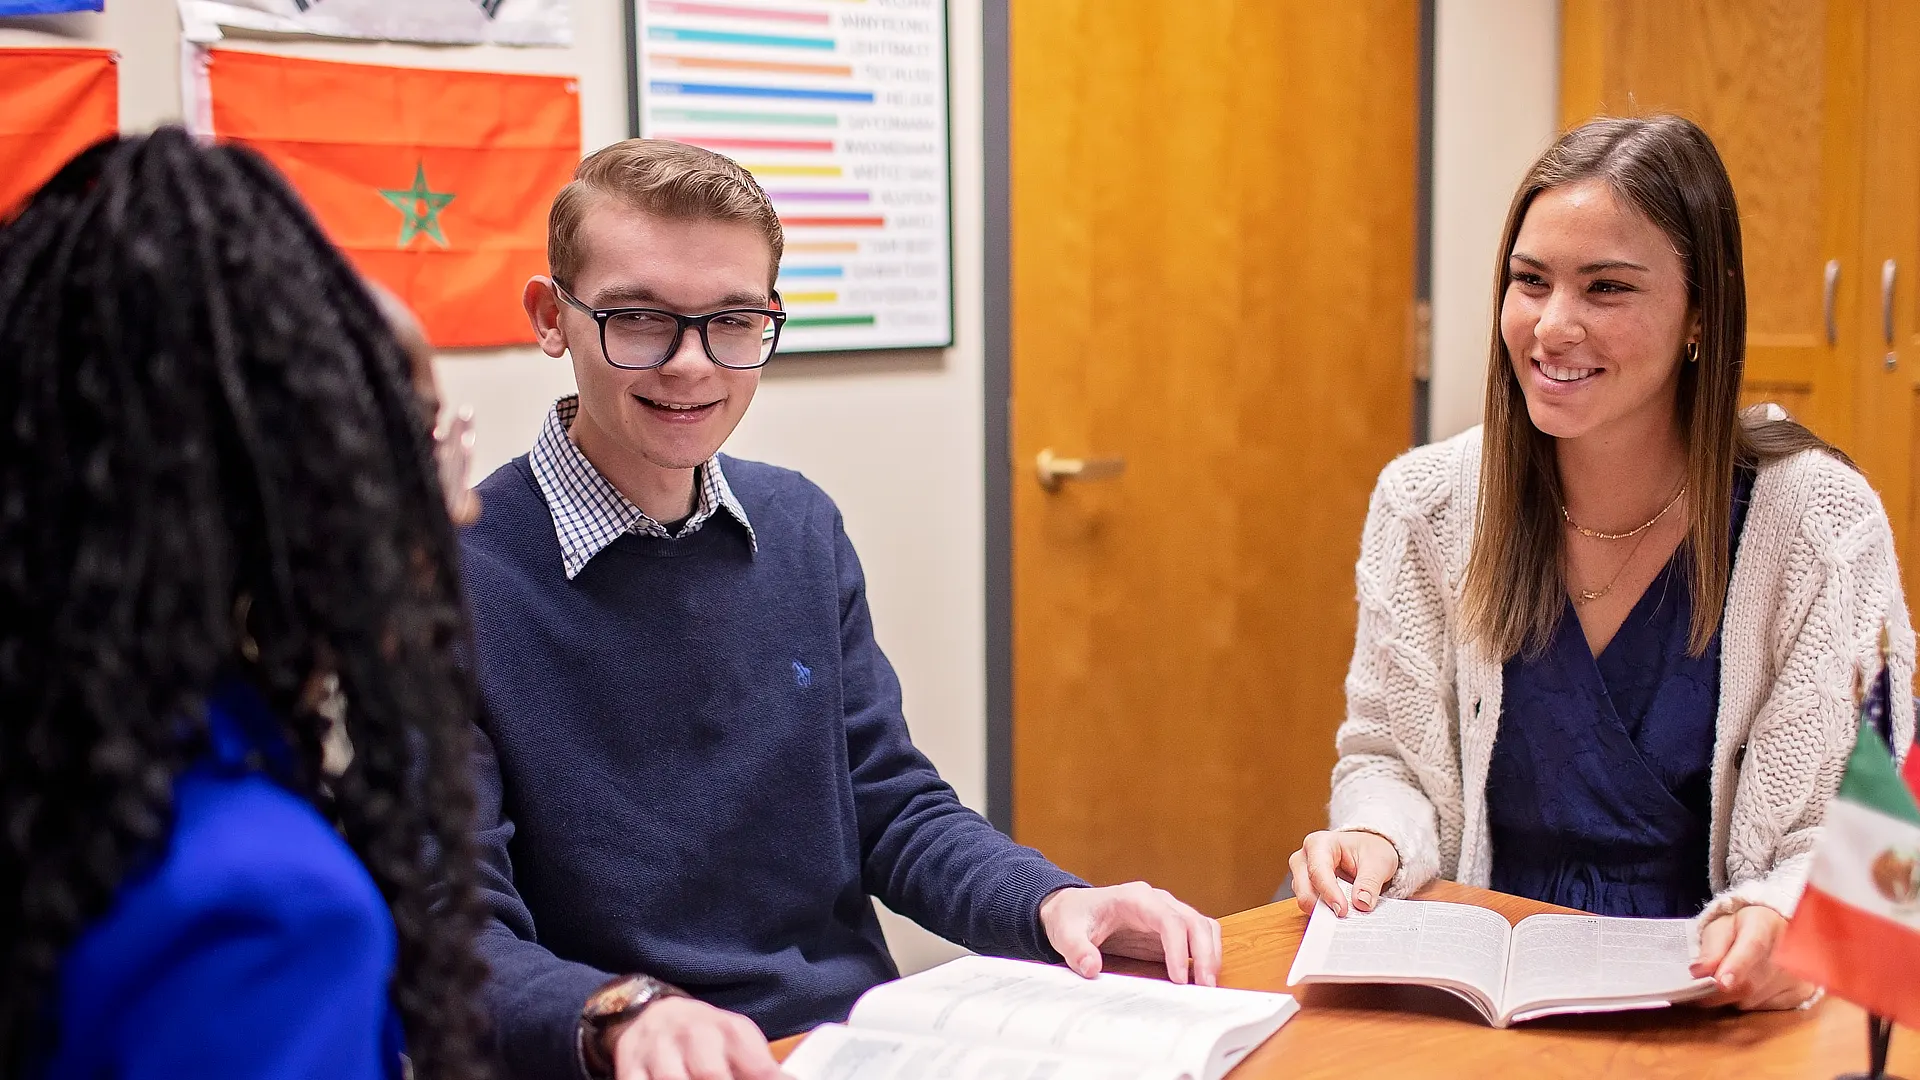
(839, 108)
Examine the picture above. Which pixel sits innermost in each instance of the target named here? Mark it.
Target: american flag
(1876, 711)
(1877, 708)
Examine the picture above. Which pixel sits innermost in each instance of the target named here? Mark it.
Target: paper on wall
(440, 22)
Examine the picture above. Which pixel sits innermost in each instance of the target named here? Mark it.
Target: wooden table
(1354, 1031)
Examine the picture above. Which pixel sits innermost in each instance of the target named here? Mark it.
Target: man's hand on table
(1367, 859)
(1134, 920)
(1737, 950)
(682, 1039)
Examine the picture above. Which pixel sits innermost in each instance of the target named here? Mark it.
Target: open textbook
(1545, 965)
(980, 1018)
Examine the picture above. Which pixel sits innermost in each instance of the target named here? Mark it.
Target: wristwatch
(616, 1001)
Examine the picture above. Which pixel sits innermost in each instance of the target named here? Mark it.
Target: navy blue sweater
(695, 767)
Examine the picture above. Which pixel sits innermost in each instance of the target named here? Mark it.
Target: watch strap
(616, 1001)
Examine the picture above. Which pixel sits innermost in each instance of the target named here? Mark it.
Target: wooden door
(1887, 395)
(1779, 85)
(1213, 249)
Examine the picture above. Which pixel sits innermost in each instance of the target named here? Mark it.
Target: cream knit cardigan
(1814, 580)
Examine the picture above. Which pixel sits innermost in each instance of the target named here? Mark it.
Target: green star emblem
(421, 206)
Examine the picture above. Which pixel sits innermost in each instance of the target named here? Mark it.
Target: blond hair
(670, 179)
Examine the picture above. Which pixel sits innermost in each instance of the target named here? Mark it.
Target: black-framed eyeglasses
(639, 338)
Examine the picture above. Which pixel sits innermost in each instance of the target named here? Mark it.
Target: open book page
(1200, 1030)
(1457, 947)
(841, 1053)
(1590, 963)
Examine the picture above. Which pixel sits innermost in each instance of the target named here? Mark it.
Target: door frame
(997, 135)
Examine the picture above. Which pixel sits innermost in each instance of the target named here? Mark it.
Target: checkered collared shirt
(589, 512)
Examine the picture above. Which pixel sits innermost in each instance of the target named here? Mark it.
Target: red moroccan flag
(54, 103)
(436, 183)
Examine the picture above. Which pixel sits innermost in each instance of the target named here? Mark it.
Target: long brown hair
(1515, 589)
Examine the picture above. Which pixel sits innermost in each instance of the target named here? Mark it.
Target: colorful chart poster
(839, 109)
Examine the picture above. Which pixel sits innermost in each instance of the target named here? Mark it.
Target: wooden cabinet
(1812, 104)
(1887, 367)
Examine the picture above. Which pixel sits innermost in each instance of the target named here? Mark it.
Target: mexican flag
(1857, 929)
(436, 183)
(54, 103)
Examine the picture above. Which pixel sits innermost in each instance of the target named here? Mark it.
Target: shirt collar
(589, 513)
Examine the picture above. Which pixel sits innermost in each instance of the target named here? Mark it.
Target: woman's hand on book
(1327, 858)
(679, 1038)
(1134, 920)
(1737, 950)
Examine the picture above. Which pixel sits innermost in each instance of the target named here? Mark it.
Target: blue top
(256, 948)
(1597, 794)
(696, 767)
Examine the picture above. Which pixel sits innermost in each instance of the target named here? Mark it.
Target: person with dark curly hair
(235, 831)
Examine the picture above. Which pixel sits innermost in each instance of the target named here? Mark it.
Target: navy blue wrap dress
(1598, 792)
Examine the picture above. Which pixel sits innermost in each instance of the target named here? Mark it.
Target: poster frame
(630, 10)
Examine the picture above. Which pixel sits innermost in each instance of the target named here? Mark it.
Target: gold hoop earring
(249, 648)
(1693, 352)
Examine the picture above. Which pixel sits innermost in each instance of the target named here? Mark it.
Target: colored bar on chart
(820, 196)
(843, 105)
(723, 142)
(778, 67)
(717, 90)
(724, 116)
(735, 11)
(874, 222)
(792, 170)
(728, 37)
(831, 320)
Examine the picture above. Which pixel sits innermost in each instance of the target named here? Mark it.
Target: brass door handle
(1053, 469)
(1888, 271)
(1831, 286)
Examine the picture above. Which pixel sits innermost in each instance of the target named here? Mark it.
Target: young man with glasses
(695, 770)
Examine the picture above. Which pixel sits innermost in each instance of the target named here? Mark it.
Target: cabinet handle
(1888, 270)
(1833, 286)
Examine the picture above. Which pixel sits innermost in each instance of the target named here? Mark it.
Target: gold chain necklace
(1630, 534)
(1588, 597)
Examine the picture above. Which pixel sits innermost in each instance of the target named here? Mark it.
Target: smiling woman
(1606, 643)
(1595, 310)
(1622, 319)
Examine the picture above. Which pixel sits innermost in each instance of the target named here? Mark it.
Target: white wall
(895, 438)
(1495, 108)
